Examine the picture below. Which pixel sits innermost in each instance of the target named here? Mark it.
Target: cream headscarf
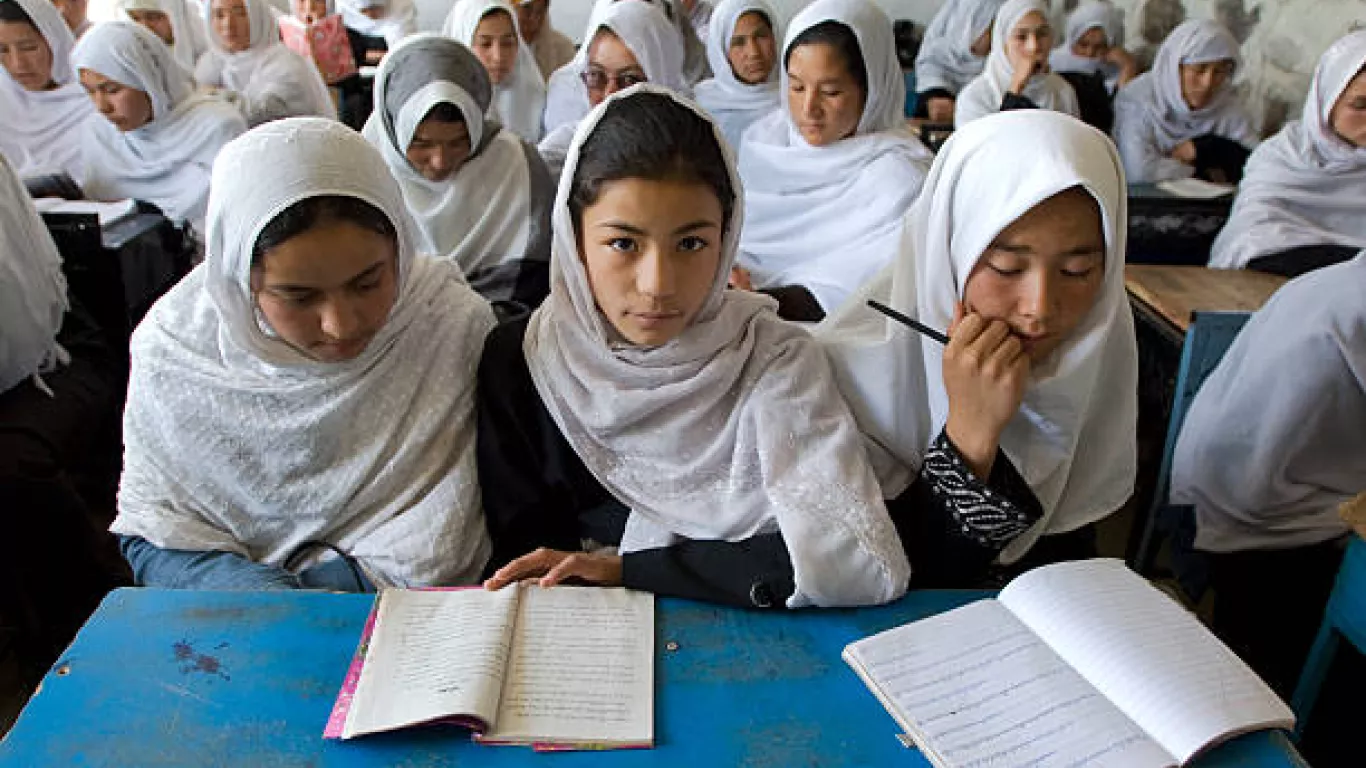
(32, 287)
(1092, 14)
(398, 22)
(733, 104)
(1073, 437)
(234, 441)
(983, 96)
(519, 101)
(722, 395)
(191, 36)
(946, 59)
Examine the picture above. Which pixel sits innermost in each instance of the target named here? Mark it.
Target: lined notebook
(557, 668)
(1075, 664)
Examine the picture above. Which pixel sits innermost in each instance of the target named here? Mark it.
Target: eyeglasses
(597, 79)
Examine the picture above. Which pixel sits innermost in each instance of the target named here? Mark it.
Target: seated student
(254, 70)
(647, 407)
(1182, 119)
(1299, 206)
(1272, 445)
(330, 46)
(175, 23)
(699, 13)
(952, 54)
(633, 42)
(1094, 45)
(379, 25)
(1017, 74)
(159, 138)
(551, 47)
(829, 178)
(480, 196)
(489, 29)
(301, 411)
(744, 58)
(1019, 256)
(43, 108)
(74, 14)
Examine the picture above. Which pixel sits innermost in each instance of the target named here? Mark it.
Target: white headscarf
(1274, 441)
(733, 104)
(270, 81)
(40, 131)
(235, 441)
(32, 287)
(480, 217)
(983, 96)
(1306, 186)
(1073, 437)
(519, 101)
(946, 59)
(191, 36)
(167, 161)
(398, 23)
(1152, 117)
(828, 218)
(1092, 14)
(723, 392)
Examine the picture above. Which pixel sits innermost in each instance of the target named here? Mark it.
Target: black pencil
(915, 324)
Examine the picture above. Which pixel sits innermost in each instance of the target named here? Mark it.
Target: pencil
(897, 316)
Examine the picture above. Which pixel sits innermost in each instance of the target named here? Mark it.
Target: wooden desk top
(1175, 292)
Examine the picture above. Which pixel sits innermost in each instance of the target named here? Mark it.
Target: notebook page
(1145, 652)
(434, 654)
(582, 668)
(975, 687)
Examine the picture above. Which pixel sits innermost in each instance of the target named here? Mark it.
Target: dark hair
(310, 212)
(842, 39)
(445, 112)
(650, 136)
(15, 14)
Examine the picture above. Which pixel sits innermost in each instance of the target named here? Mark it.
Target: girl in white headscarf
(482, 202)
(387, 20)
(44, 111)
(307, 391)
(175, 23)
(160, 139)
(829, 178)
(266, 80)
(952, 54)
(742, 50)
(645, 406)
(1017, 74)
(632, 42)
(1299, 206)
(1093, 44)
(1182, 119)
(1019, 255)
(489, 29)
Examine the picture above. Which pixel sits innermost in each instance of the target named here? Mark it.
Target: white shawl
(191, 35)
(519, 101)
(1073, 437)
(167, 161)
(1152, 117)
(983, 95)
(40, 131)
(481, 216)
(946, 59)
(1306, 186)
(32, 287)
(1274, 441)
(723, 394)
(398, 23)
(735, 105)
(236, 442)
(268, 80)
(1092, 14)
(828, 218)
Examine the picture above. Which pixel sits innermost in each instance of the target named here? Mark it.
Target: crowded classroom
(680, 297)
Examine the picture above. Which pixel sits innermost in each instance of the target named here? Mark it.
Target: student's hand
(1184, 153)
(373, 56)
(1022, 67)
(551, 566)
(940, 109)
(1128, 65)
(986, 371)
(739, 278)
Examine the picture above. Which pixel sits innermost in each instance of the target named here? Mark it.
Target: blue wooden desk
(163, 678)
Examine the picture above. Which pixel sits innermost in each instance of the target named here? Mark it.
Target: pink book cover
(324, 42)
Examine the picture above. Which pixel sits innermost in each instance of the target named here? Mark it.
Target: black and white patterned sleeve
(990, 513)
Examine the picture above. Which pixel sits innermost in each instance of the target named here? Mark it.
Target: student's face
(327, 291)
(1030, 40)
(232, 24)
(439, 149)
(26, 55)
(982, 45)
(1200, 83)
(530, 17)
(823, 97)
(156, 21)
(1043, 273)
(73, 12)
(495, 43)
(651, 250)
(752, 49)
(1092, 45)
(1348, 116)
(309, 11)
(611, 67)
(127, 108)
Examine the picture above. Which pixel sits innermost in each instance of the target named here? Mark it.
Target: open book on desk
(107, 213)
(557, 668)
(1075, 664)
